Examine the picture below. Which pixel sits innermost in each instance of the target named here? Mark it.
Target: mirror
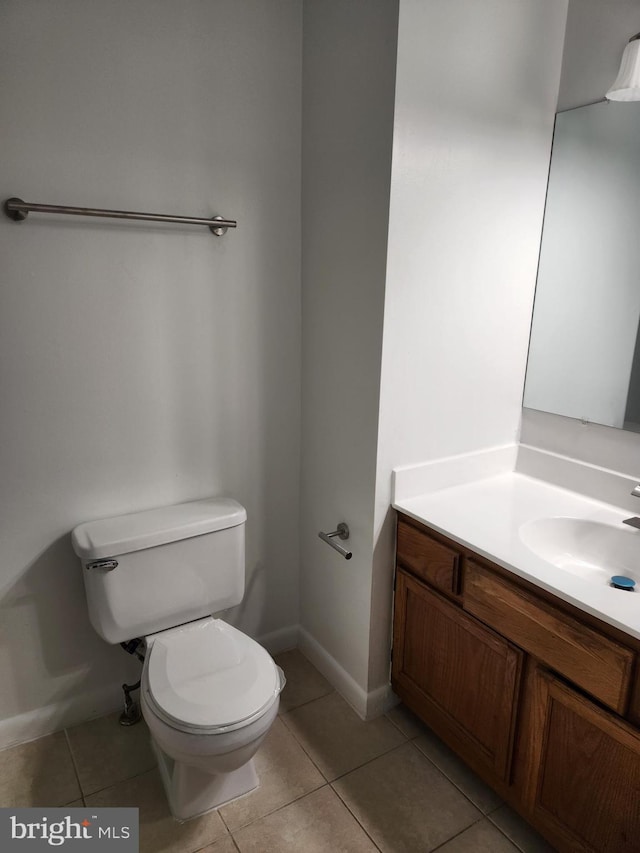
(584, 352)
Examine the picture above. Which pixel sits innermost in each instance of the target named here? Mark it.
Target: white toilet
(209, 693)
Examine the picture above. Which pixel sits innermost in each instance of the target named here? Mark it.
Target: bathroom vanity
(527, 670)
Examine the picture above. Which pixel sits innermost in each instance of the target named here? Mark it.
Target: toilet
(208, 692)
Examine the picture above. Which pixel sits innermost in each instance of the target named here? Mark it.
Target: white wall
(143, 365)
(348, 78)
(475, 99)
(595, 38)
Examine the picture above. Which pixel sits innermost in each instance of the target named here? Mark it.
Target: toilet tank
(152, 570)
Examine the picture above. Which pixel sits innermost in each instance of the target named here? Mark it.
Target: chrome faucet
(634, 521)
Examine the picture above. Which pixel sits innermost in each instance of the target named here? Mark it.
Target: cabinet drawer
(590, 660)
(427, 558)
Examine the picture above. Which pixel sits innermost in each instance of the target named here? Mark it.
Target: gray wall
(143, 365)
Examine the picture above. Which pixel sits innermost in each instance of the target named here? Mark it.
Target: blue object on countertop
(621, 582)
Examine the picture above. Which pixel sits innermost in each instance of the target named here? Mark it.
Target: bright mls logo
(26, 830)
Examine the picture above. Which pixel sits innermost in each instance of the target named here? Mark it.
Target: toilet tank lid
(123, 534)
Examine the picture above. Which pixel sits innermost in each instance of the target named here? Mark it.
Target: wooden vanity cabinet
(526, 691)
(584, 775)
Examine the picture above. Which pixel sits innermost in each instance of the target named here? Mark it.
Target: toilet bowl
(209, 693)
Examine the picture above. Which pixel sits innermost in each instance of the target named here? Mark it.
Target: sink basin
(588, 549)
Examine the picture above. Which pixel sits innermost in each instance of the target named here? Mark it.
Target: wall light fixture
(627, 84)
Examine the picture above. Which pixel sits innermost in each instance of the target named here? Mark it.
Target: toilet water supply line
(131, 713)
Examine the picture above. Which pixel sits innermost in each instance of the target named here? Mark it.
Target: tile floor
(330, 783)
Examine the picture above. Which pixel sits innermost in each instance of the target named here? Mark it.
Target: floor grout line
(357, 767)
(513, 841)
(456, 785)
(122, 781)
(477, 820)
(75, 766)
(368, 761)
(279, 808)
(213, 843)
(276, 809)
(306, 702)
(355, 817)
(221, 816)
(487, 814)
(456, 835)
(326, 782)
(297, 799)
(395, 725)
(302, 747)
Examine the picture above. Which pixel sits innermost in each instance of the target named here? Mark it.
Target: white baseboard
(60, 715)
(380, 700)
(88, 706)
(366, 705)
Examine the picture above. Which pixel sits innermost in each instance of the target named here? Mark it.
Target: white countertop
(486, 514)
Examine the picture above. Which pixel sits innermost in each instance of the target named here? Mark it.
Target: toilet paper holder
(342, 532)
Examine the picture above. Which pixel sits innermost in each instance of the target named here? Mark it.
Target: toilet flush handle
(106, 565)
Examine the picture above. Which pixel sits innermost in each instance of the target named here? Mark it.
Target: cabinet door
(459, 675)
(584, 784)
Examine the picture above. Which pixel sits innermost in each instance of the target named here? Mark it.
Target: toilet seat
(207, 677)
